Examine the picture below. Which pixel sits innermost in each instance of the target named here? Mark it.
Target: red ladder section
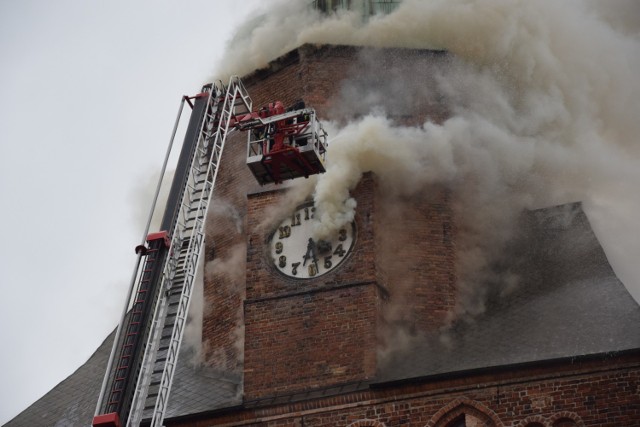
(155, 253)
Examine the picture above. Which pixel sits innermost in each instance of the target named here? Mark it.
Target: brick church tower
(309, 343)
(304, 333)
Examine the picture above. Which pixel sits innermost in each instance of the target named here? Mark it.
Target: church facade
(360, 332)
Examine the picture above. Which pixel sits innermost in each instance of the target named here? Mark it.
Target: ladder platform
(286, 146)
(286, 164)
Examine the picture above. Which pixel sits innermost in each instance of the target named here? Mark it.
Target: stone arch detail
(460, 406)
(534, 419)
(366, 423)
(566, 415)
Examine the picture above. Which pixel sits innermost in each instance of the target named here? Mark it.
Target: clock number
(327, 262)
(284, 232)
(282, 261)
(342, 236)
(295, 219)
(339, 251)
(313, 269)
(294, 268)
(279, 247)
(308, 213)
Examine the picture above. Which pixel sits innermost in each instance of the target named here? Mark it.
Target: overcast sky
(89, 91)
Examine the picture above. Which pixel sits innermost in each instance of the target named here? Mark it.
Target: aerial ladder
(282, 144)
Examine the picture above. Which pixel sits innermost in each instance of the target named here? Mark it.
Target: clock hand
(306, 256)
(312, 253)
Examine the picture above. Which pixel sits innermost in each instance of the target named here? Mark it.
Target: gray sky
(89, 91)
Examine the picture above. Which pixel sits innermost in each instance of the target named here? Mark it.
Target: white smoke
(141, 199)
(544, 102)
(193, 329)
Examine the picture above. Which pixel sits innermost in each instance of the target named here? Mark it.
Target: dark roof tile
(568, 303)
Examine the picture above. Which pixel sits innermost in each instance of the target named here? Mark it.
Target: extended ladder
(141, 379)
(170, 317)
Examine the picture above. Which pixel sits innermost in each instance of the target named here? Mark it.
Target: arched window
(366, 423)
(464, 412)
(458, 422)
(564, 422)
(467, 420)
(566, 419)
(534, 421)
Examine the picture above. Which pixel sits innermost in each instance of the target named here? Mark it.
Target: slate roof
(568, 303)
(202, 389)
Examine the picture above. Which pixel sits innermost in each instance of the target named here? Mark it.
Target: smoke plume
(543, 101)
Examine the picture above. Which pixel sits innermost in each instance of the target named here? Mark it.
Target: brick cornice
(325, 288)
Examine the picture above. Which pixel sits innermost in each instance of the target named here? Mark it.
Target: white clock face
(297, 254)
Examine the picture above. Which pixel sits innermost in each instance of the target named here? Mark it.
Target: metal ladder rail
(165, 325)
(162, 305)
(236, 96)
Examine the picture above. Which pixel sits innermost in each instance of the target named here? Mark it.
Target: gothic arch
(564, 419)
(460, 406)
(534, 421)
(366, 423)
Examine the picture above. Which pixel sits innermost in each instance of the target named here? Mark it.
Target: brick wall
(310, 340)
(225, 245)
(314, 333)
(415, 258)
(599, 393)
(307, 334)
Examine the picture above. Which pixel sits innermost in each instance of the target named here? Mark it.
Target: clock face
(295, 253)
